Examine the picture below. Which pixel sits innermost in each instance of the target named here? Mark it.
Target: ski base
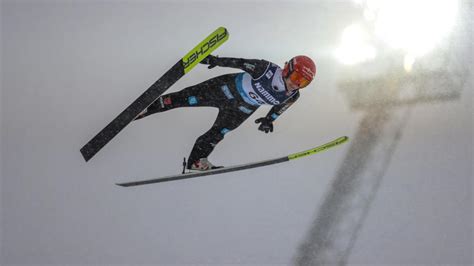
(298, 155)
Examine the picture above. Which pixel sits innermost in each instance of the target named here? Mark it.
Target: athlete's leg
(228, 119)
(207, 93)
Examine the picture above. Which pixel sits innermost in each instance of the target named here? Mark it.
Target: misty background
(399, 192)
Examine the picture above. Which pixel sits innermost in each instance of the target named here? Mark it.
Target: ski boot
(202, 165)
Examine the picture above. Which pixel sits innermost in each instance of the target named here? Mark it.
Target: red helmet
(300, 69)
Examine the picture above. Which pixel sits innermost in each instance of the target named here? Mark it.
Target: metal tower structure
(347, 203)
(386, 100)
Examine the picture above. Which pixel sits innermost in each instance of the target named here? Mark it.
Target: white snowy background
(69, 67)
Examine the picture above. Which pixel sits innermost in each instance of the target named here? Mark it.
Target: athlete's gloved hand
(210, 60)
(266, 124)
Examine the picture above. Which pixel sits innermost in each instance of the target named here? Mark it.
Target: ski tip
(318, 149)
(221, 28)
(223, 33)
(338, 141)
(204, 48)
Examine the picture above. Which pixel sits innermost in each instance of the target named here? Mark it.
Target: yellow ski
(183, 66)
(298, 155)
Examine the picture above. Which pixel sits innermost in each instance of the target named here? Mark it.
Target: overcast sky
(68, 69)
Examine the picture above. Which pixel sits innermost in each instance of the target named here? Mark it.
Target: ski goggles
(299, 79)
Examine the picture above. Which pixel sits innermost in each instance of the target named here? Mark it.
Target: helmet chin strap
(290, 69)
(287, 74)
(286, 86)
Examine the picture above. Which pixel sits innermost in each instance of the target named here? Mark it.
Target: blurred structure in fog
(385, 83)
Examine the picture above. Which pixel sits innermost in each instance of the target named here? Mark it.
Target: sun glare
(413, 26)
(355, 46)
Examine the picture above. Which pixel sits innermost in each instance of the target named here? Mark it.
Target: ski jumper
(236, 96)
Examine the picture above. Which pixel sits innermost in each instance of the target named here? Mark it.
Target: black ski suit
(228, 95)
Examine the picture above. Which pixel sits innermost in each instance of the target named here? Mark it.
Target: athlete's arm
(266, 122)
(277, 110)
(255, 67)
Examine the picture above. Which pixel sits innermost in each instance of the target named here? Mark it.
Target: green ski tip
(205, 48)
(321, 148)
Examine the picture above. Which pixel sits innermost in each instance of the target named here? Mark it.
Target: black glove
(210, 60)
(266, 124)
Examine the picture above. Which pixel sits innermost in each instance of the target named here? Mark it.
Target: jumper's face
(295, 80)
(290, 85)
